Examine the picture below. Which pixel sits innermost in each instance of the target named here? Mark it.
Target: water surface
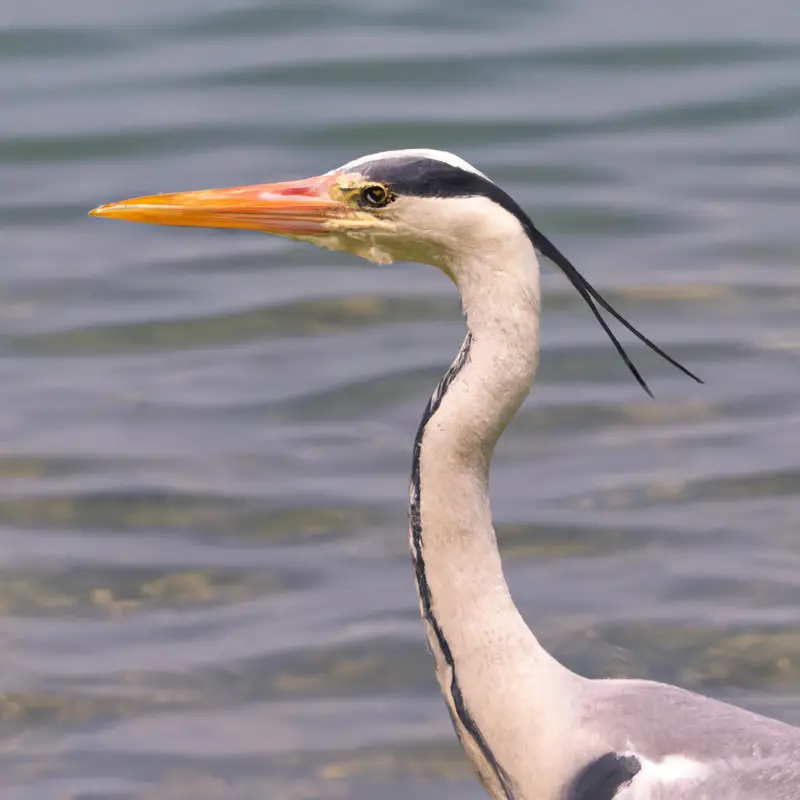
(205, 436)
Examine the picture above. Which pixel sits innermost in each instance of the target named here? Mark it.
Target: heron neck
(463, 593)
(475, 631)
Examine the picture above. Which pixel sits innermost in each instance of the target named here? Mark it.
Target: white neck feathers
(477, 636)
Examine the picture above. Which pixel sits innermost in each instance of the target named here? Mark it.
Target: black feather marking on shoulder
(418, 176)
(459, 710)
(604, 777)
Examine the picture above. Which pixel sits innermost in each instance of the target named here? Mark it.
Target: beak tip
(108, 210)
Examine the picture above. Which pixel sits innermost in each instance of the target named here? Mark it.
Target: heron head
(408, 205)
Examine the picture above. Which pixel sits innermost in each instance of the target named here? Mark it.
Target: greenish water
(205, 436)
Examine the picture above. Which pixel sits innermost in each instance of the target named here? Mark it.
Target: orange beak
(293, 208)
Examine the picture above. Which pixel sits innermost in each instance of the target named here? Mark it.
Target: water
(205, 436)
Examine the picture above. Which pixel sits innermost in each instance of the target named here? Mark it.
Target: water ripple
(205, 589)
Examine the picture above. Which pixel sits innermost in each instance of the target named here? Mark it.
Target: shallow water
(205, 436)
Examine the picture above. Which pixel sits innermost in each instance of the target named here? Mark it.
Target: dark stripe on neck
(459, 705)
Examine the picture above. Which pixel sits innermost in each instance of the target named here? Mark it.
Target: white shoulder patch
(669, 770)
(420, 152)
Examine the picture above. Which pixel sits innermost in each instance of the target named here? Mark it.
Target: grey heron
(532, 729)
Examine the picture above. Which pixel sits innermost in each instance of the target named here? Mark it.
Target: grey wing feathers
(740, 755)
(602, 778)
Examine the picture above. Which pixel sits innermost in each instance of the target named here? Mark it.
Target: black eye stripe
(427, 177)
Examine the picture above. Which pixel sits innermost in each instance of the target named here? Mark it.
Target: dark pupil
(375, 195)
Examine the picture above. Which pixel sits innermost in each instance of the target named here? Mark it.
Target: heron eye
(375, 196)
